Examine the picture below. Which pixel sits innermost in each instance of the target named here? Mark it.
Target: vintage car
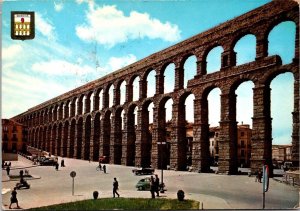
(143, 171)
(143, 184)
(48, 162)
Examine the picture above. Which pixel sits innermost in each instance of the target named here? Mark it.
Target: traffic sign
(73, 174)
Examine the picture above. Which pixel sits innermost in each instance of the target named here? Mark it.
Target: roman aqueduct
(81, 123)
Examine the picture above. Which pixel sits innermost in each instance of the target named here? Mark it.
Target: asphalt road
(217, 191)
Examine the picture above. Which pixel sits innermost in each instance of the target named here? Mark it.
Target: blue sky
(79, 41)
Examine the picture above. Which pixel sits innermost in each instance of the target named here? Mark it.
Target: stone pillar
(84, 141)
(295, 113)
(159, 83)
(139, 138)
(79, 106)
(261, 141)
(179, 78)
(96, 103)
(116, 96)
(295, 134)
(116, 140)
(200, 148)
(66, 111)
(201, 67)
(228, 135)
(228, 59)
(87, 107)
(158, 134)
(143, 89)
(129, 93)
(72, 110)
(105, 98)
(178, 155)
(60, 112)
(69, 140)
(261, 47)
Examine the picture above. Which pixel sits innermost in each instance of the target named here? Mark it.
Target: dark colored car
(48, 162)
(143, 171)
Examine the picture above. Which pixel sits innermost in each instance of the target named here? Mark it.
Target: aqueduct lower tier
(70, 125)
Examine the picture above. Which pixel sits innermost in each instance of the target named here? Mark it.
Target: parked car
(143, 171)
(48, 162)
(143, 184)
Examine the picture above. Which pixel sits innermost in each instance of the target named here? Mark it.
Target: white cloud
(109, 26)
(11, 52)
(45, 27)
(60, 67)
(20, 92)
(58, 6)
(115, 63)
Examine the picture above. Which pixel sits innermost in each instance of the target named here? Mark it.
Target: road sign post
(161, 166)
(73, 175)
(265, 182)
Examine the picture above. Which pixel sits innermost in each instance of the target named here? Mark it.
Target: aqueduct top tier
(70, 125)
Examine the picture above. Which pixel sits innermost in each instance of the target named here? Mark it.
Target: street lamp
(161, 165)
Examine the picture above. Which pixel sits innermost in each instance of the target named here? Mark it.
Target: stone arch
(106, 131)
(87, 137)
(79, 144)
(71, 142)
(96, 138)
(54, 135)
(59, 139)
(163, 132)
(48, 144)
(244, 47)
(283, 44)
(207, 68)
(183, 132)
(185, 65)
(44, 143)
(65, 139)
(116, 152)
(129, 135)
(98, 101)
(168, 74)
(143, 156)
(149, 82)
(88, 102)
(134, 89)
(121, 87)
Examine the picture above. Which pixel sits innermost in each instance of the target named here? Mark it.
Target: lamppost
(161, 165)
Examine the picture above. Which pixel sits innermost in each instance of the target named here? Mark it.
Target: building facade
(244, 135)
(14, 136)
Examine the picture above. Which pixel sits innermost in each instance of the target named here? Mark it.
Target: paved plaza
(213, 191)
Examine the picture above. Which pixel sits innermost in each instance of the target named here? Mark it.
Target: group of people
(154, 186)
(102, 167)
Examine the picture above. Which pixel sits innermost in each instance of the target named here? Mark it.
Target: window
(242, 133)
(212, 143)
(242, 144)
(242, 153)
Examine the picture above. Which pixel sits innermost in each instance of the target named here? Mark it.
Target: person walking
(7, 170)
(56, 166)
(152, 187)
(156, 183)
(104, 169)
(13, 198)
(259, 176)
(62, 163)
(115, 188)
